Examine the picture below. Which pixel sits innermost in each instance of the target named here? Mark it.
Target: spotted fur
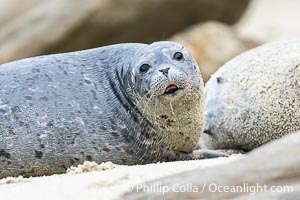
(60, 110)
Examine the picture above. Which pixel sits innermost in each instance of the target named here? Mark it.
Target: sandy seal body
(126, 103)
(254, 98)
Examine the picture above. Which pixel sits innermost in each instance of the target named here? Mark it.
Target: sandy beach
(106, 181)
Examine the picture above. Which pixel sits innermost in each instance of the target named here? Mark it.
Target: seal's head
(166, 86)
(253, 98)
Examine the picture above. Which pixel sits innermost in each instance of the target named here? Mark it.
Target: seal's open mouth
(171, 89)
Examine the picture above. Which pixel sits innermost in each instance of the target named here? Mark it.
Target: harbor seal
(254, 98)
(125, 103)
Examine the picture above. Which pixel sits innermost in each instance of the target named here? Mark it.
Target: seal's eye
(144, 68)
(178, 56)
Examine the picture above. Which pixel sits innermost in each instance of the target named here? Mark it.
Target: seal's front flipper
(207, 153)
(232, 151)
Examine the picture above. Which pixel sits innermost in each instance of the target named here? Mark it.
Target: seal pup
(254, 98)
(125, 103)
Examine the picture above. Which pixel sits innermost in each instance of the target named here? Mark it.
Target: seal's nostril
(165, 71)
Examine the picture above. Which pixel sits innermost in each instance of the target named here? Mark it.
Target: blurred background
(213, 30)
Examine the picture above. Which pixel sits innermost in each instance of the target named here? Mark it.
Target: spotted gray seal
(125, 103)
(254, 98)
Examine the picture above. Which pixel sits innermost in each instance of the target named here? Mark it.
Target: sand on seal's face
(96, 184)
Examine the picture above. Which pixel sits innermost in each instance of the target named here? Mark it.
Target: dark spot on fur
(170, 122)
(16, 109)
(72, 162)
(3, 111)
(187, 139)
(127, 139)
(63, 166)
(48, 77)
(130, 152)
(168, 158)
(89, 158)
(28, 97)
(5, 154)
(87, 111)
(106, 149)
(87, 81)
(11, 132)
(44, 98)
(220, 80)
(94, 94)
(96, 148)
(113, 127)
(103, 128)
(115, 134)
(35, 70)
(164, 116)
(50, 124)
(38, 154)
(112, 121)
(42, 146)
(65, 72)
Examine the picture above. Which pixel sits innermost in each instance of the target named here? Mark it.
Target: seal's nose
(165, 71)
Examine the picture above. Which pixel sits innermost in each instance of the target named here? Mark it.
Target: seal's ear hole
(178, 56)
(133, 77)
(144, 67)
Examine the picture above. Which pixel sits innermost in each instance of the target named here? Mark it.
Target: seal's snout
(171, 89)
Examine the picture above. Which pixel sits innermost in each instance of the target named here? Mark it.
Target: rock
(270, 20)
(45, 24)
(274, 164)
(212, 44)
(67, 25)
(12, 8)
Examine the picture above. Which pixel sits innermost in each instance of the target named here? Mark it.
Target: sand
(91, 181)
